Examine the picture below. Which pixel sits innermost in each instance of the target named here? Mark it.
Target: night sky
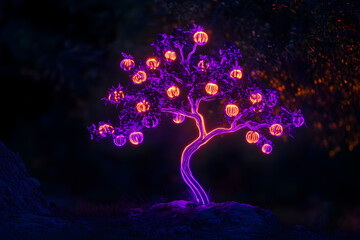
(59, 58)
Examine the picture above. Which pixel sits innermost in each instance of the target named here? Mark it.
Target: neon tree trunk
(198, 192)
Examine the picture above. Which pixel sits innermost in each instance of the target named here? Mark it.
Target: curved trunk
(198, 192)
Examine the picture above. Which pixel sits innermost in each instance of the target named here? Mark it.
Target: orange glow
(201, 38)
(211, 88)
(178, 118)
(170, 55)
(127, 64)
(139, 77)
(173, 92)
(236, 74)
(266, 148)
(231, 110)
(202, 65)
(116, 96)
(152, 63)
(252, 137)
(255, 98)
(276, 130)
(106, 128)
(143, 106)
(258, 109)
(136, 138)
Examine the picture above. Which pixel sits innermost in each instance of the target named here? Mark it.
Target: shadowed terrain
(25, 214)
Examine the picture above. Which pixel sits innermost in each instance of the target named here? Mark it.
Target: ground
(25, 213)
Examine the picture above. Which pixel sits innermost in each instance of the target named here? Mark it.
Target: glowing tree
(175, 80)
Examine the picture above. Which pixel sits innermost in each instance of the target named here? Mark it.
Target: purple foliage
(191, 80)
(176, 79)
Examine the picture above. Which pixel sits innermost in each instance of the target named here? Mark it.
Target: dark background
(58, 58)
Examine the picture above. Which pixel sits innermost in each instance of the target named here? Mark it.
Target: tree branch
(200, 123)
(191, 53)
(178, 111)
(208, 98)
(164, 72)
(234, 128)
(239, 116)
(180, 47)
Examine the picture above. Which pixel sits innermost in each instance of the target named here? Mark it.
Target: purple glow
(150, 121)
(120, 140)
(298, 121)
(175, 80)
(272, 99)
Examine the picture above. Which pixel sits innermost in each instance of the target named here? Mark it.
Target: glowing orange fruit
(178, 118)
(139, 77)
(231, 110)
(152, 63)
(143, 106)
(116, 96)
(173, 92)
(136, 138)
(202, 65)
(266, 148)
(127, 64)
(252, 137)
(201, 38)
(276, 130)
(170, 55)
(255, 98)
(105, 129)
(236, 74)
(258, 109)
(211, 88)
